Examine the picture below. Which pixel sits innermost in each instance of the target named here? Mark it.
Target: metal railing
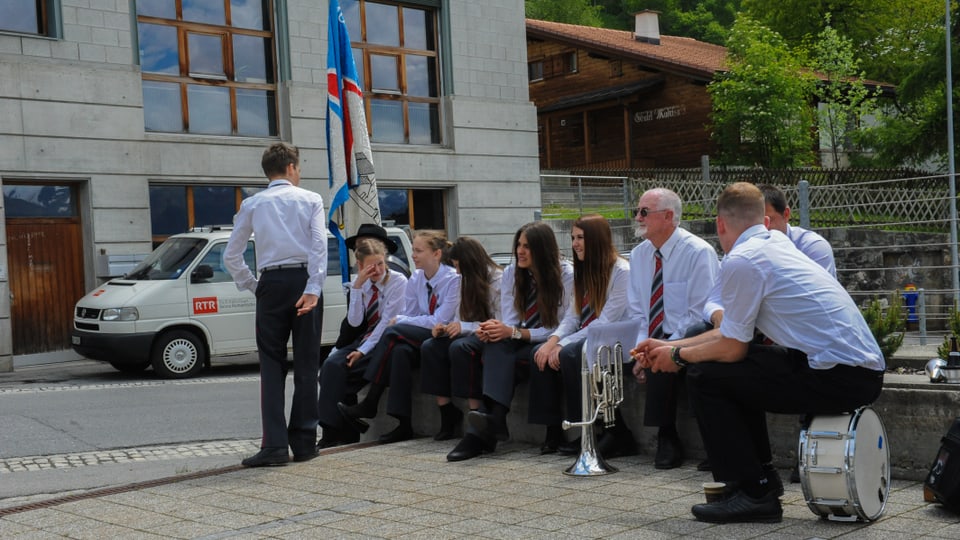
(888, 228)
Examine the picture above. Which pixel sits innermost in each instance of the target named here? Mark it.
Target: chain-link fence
(890, 229)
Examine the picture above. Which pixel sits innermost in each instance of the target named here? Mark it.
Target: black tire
(178, 354)
(130, 368)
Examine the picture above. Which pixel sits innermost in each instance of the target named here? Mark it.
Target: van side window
(333, 257)
(214, 259)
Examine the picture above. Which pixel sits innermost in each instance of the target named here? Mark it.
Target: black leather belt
(292, 266)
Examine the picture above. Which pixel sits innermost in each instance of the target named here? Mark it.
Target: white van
(179, 307)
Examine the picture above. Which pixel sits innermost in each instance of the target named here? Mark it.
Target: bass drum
(845, 466)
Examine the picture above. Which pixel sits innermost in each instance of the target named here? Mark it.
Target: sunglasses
(644, 212)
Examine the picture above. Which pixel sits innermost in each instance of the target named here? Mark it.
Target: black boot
(365, 409)
(402, 432)
(490, 421)
(450, 421)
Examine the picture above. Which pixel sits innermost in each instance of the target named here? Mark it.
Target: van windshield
(168, 261)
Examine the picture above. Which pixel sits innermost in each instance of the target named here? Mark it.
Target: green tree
(761, 105)
(886, 33)
(706, 20)
(582, 12)
(843, 97)
(915, 130)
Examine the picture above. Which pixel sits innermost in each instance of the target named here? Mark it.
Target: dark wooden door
(46, 279)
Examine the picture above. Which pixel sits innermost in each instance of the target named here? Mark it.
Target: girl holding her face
(431, 297)
(376, 297)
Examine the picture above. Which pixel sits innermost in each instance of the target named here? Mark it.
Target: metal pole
(951, 167)
(580, 193)
(922, 312)
(803, 193)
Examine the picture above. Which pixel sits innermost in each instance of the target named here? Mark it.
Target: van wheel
(130, 368)
(178, 354)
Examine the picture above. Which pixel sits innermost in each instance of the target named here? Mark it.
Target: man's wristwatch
(675, 355)
(516, 333)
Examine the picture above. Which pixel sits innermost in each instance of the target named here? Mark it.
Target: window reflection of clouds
(158, 49)
(19, 16)
(415, 29)
(206, 54)
(394, 205)
(424, 122)
(254, 111)
(249, 59)
(382, 25)
(161, 107)
(383, 73)
(213, 205)
(209, 109)
(351, 14)
(165, 9)
(387, 120)
(247, 13)
(421, 76)
(204, 11)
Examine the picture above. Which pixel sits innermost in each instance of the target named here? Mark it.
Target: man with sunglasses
(671, 275)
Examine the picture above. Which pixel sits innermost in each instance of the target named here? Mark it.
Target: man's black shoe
(669, 452)
(488, 425)
(469, 447)
(267, 457)
(611, 444)
(741, 508)
(551, 443)
(306, 456)
(352, 416)
(399, 433)
(704, 466)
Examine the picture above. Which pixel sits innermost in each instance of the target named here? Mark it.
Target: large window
(177, 208)
(29, 17)
(208, 66)
(395, 48)
(418, 208)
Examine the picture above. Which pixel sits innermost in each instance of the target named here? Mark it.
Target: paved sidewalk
(408, 490)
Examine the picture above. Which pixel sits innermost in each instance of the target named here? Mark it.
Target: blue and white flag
(352, 178)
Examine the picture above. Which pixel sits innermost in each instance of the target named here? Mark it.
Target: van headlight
(120, 314)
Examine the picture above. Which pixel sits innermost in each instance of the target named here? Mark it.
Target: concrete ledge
(915, 413)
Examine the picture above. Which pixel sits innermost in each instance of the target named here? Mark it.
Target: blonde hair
(435, 239)
(367, 247)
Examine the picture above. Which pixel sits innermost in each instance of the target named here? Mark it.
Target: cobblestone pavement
(127, 455)
(409, 490)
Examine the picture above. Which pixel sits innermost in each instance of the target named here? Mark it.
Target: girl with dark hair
(451, 359)
(376, 297)
(601, 278)
(535, 292)
(431, 297)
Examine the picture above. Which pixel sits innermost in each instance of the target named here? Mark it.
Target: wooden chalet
(620, 99)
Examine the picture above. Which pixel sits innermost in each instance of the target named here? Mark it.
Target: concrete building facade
(88, 160)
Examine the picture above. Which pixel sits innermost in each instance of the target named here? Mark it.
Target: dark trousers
(549, 388)
(502, 362)
(276, 318)
(337, 381)
(731, 401)
(392, 363)
(452, 367)
(663, 389)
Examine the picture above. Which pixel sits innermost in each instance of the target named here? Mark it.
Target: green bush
(944, 349)
(887, 327)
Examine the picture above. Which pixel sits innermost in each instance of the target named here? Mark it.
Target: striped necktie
(656, 299)
(586, 312)
(372, 313)
(432, 302)
(531, 315)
